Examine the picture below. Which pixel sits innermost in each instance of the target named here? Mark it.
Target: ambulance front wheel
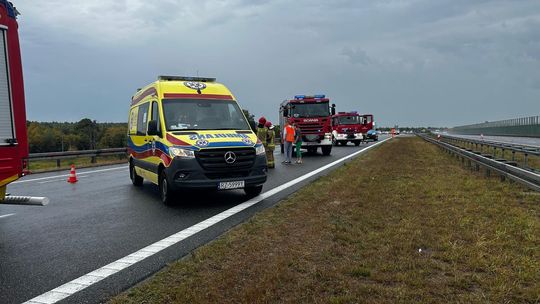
(135, 179)
(165, 190)
(253, 191)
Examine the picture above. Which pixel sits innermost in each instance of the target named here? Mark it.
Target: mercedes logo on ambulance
(230, 157)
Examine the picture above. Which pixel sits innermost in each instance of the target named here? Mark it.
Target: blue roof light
(299, 96)
(319, 96)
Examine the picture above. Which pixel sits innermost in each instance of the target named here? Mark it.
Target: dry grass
(354, 237)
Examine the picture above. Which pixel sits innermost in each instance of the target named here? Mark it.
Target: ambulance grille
(214, 159)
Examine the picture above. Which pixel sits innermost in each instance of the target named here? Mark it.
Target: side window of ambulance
(133, 121)
(155, 114)
(142, 119)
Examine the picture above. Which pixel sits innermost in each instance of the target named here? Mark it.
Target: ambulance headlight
(259, 150)
(181, 152)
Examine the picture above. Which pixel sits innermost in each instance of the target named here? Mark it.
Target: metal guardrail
(504, 168)
(93, 154)
(526, 150)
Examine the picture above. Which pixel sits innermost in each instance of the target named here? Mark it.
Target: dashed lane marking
(7, 215)
(102, 273)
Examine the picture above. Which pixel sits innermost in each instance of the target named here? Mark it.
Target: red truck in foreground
(13, 138)
(313, 115)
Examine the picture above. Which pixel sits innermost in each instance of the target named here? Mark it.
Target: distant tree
(114, 137)
(88, 132)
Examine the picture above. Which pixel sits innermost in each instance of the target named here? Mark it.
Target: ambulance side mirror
(152, 128)
(333, 109)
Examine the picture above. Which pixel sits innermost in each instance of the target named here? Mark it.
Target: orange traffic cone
(72, 176)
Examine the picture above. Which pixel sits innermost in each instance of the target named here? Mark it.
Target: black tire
(326, 150)
(253, 191)
(136, 180)
(357, 143)
(312, 150)
(165, 191)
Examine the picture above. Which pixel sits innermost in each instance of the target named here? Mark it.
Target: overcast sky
(409, 62)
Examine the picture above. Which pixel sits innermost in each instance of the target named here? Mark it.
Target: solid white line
(66, 175)
(7, 215)
(97, 275)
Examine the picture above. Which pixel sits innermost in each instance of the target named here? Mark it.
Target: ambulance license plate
(231, 185)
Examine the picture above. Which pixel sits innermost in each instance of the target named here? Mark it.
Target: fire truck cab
(347, 127)
(13, 138)
(313, 115)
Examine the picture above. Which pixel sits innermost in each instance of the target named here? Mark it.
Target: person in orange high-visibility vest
(288, 141)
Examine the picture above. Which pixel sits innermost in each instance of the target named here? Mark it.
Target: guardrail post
(513, 155)
(58, 163)
(477, 167)
(488, 172)
(93, 160)
(525, 161)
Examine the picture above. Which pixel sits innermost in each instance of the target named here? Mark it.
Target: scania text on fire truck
(313, 115)
(347, 127)
(13, 138)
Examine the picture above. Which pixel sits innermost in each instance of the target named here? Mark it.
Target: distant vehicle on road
(346, 126)
(372, 135)
(313, 115)
(13, 137)
(189, 132)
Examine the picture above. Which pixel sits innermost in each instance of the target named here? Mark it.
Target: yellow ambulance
(189, 132)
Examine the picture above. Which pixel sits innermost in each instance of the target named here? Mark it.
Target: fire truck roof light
(309, 97)
(185, 78)
(319, 96)
(299, 96)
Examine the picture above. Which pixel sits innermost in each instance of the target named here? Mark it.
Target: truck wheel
(312, 150)
(135, 179)
(165, 190)
(326, 150)
(253, 191)
(357, 143)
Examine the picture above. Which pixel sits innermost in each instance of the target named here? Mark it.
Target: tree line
(85, 134)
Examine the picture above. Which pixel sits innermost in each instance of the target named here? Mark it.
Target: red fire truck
(13, 138)
(312, 114)
(347, 127)
(367, 123)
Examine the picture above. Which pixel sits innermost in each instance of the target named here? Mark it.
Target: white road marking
(67, 175)
(97, 275)
(61, 180)
(7, 215)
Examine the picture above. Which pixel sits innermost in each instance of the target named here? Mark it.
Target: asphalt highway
(103, 218)
(532, 141)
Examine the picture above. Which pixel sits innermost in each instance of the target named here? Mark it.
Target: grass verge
(404, 224)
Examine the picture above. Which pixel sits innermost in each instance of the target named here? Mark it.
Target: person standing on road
(288, 141)
(270, 144)
(298, 142)
(262, 130)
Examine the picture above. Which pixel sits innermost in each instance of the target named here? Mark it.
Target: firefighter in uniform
(262, 130)
(270, 144)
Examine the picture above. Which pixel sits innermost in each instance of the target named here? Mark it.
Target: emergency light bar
(186, 78)
(308, 97)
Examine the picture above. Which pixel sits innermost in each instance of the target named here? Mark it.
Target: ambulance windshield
(203, 114)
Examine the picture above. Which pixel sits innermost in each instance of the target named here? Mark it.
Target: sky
(408, 62)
